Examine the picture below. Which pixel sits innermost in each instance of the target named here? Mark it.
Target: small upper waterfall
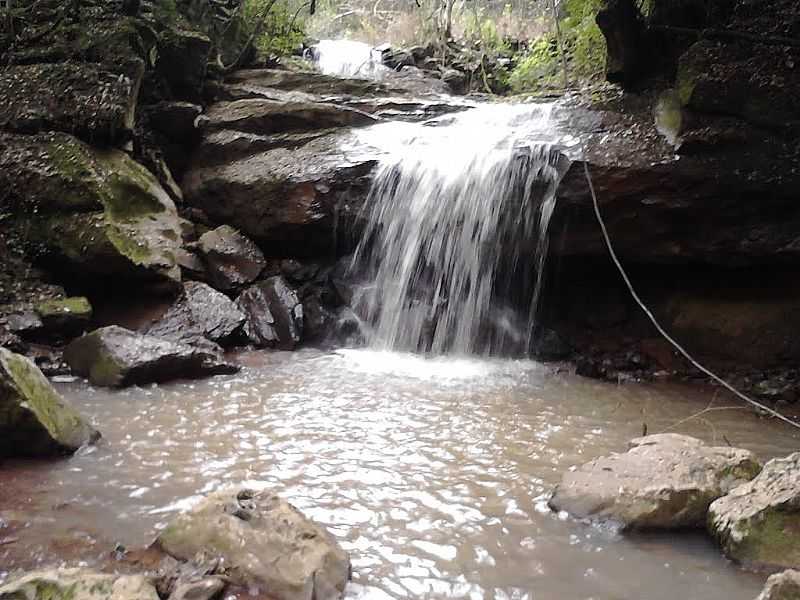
(456, 225)
(346, 58)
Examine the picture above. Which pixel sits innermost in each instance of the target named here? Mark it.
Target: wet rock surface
(758, 523)
(782, 586)
(664, 481)
(34, 419)
(117, 357)
(274, 314)
(200, 312)
(262, 541)
(78, 584)
(231, 259)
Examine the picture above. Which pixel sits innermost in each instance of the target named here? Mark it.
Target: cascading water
(455, 234)
(346, 58)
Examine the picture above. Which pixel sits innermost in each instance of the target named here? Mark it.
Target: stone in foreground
(782, 586)
(116, 357)
(758, 523)
(263, 543)
(664, 481)
(78, 584)
(34, 419)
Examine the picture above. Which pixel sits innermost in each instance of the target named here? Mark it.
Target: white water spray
(346, 58)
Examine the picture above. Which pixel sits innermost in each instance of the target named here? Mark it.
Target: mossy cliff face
(78, 584)
(95, 210)
(758, 523)
(34, 419)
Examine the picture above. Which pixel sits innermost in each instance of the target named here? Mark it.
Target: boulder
(78, 584)
(286, 191)
(34, 419)
(82, 99)
(663, 481)
(95, 211)
(262, 542)
(782, 586)
(758, 523)
(231, 259)
(199, 312)
(206, 588)
(174, 120)
(274, 314)
(116, 357)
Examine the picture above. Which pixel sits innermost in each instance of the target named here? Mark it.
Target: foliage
(583, 44)
(280, 25)
(165, 12)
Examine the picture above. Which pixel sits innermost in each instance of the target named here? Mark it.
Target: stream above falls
(432, 473)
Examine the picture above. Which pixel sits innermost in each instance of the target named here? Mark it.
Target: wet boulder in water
(664, 481)
(78, 584)
(758, 523)
(231, 259)
(782, 586)
(116, 357)
(34, 419)
(200, 312)
(274, 314)
(263, 543)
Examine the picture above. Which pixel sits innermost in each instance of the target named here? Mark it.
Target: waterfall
(455, 236)
(346, 58)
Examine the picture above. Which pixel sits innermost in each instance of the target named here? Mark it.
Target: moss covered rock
(758, 523)
(34, 419)
(78, 584)
(64, 316)
(96, 210)
(261, 541)
(664, 481)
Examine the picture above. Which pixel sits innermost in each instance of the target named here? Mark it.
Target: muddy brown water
(432, 473)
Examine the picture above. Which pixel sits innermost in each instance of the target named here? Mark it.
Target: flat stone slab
(663, 481)
(758, 523)
(78, 584)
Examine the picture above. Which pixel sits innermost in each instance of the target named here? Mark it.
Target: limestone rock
(199, 312)
(206, 588)
(34, 419)
(274, 314)
(65, 316)
(94, 210)
(78, 584)
(182, 61)
(663, 481)
(758, 523)
(262, 542)
(116, 357)
(231, 259)
(782, 586)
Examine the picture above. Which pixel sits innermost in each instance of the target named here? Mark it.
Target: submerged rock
(664, 481)
(231, 259)
(199, 312)
(116, 357)
(274, 314)
(758, 523)
(34, 419)
(78, 584)
(261, 542)
(782, 586)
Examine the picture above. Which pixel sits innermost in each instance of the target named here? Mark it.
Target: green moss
(77, 306)
(772, 538)
(35, 394)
